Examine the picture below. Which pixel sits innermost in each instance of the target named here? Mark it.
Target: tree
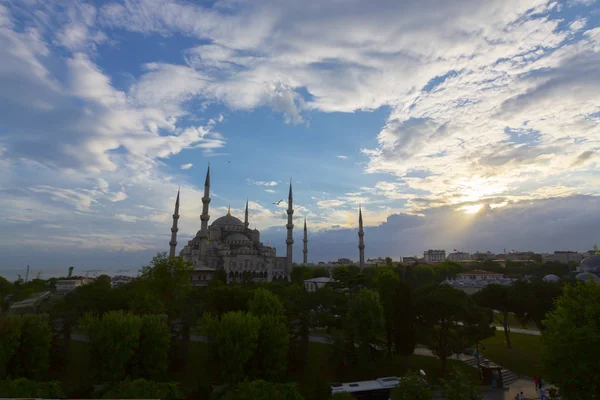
(411, 387)
(263, 390)
(151, 357)
(33, 356)
(10, 338)
(365, 316)
(143, 389)
(398, 313)
(389, 261)
(441, 311)
(234, 339)
(114, 339)
(533, 300)
(223, 299)
(342, 396)
(300, 273)
(6, 288)
(498, 297)
(460, 387)
(21, 387)
(264, 302)
(572, 342)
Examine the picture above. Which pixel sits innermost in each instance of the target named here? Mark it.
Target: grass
(525, 357)
(514, 322)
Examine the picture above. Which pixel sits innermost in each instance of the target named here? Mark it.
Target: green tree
(233, 339)
(269, 360)
(498, 297)
(300, 273)
(22, 387)
(34, 349)
(151, 357)
(223, 299)
(460, 387)
(533, 300)
(10, 338)
(320, 272)
(6, 288)
(263, 390)
(365, 317)
(342, 396)
(114, 339)
(572, 342)
(143, 389)
(412, 387)
(389, 261)
(398, 313)
(264, 302)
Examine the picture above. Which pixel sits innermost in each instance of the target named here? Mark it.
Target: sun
(472, 209)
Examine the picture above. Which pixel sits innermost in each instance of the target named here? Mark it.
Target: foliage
(144, 300)
(398, 313)
(263, 390)
(460, 387)
(320, 272)
(10, 338)
(365, 319)
(572, 340)
(441, 313)
(264, 302)
(34, 349)
(533, 300)
(269, 360)
(115, 337)
(170, 280)
(300, 273)
(151, 358)
(234, 339)
(412, 387)
(223, 299)
(143, 389)
(498, 297)
(20, 388)
(23, 290)
(6, 288)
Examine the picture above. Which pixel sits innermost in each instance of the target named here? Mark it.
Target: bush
(143, 389)
(27, 388)
(33, 357)
(412, 387)
(263, 390)
(10, 338)
(151, 358)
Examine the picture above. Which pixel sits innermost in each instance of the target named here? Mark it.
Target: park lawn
(525, 357)
(514, 322)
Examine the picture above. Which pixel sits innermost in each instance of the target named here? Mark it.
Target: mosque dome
(227, 220)
(551, 278)
(587, 276)
(237, 238)
(590, 264)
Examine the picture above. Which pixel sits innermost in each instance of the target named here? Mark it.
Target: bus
(378, 389)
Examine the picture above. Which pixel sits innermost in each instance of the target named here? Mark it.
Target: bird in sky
(277, 203)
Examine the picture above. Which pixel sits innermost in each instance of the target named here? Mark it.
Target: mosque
(229, 244)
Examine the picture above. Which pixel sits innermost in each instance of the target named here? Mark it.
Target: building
(565, 257)
(231, 245)
(376, 262)
(36, 303)
(345, 261)
(120, 280)
(590, 264)
(314, 284)
(459, 256)
(409, 260)
(480, 256)
(433, 256)
(67, 285)
(519, 255)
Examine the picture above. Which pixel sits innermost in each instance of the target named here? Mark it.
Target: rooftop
(380, 383)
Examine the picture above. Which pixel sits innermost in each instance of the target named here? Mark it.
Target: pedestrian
(521, 396)
(540, 383)
(535, 382)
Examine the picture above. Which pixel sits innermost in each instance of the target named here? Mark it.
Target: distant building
(519, 255)
(201, 276)
(488, 255)
(565, 257)
(345, 261)
(375, 262)
(36, 303)
(459, 256)
(434, 256)
(479, 278)
(67, 285)
(409, 260)
(120, 280)
(312, 285)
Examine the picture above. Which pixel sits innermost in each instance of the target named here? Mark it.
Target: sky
(463, 125)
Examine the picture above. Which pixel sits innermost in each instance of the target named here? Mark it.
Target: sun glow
(471, 209)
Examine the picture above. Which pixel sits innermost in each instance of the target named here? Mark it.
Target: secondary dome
(227, 220)
(551, 278)
(590, 264)
(237, 238)
(587, 276)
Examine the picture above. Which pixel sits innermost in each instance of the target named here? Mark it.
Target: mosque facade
(231, 245)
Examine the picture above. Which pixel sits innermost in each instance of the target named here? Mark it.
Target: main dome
(227, 220)
(590, 264)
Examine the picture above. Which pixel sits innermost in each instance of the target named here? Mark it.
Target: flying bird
(277, 203)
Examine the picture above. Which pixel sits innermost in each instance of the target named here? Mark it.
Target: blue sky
(439, 117)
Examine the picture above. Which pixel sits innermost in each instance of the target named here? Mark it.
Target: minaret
(361, 239)
(205, 202)
(290, 227)
(173, 242)
(305, 251)
(246, 216)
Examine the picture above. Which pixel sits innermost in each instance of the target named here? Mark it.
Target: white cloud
(262, 183)
(342, 157)
(329, 203)
(186, 166)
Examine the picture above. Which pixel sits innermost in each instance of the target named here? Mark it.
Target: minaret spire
(305, 251)
(173, 242)
(361, 240)
(205, 202)
(290, 228)
(246, 215)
